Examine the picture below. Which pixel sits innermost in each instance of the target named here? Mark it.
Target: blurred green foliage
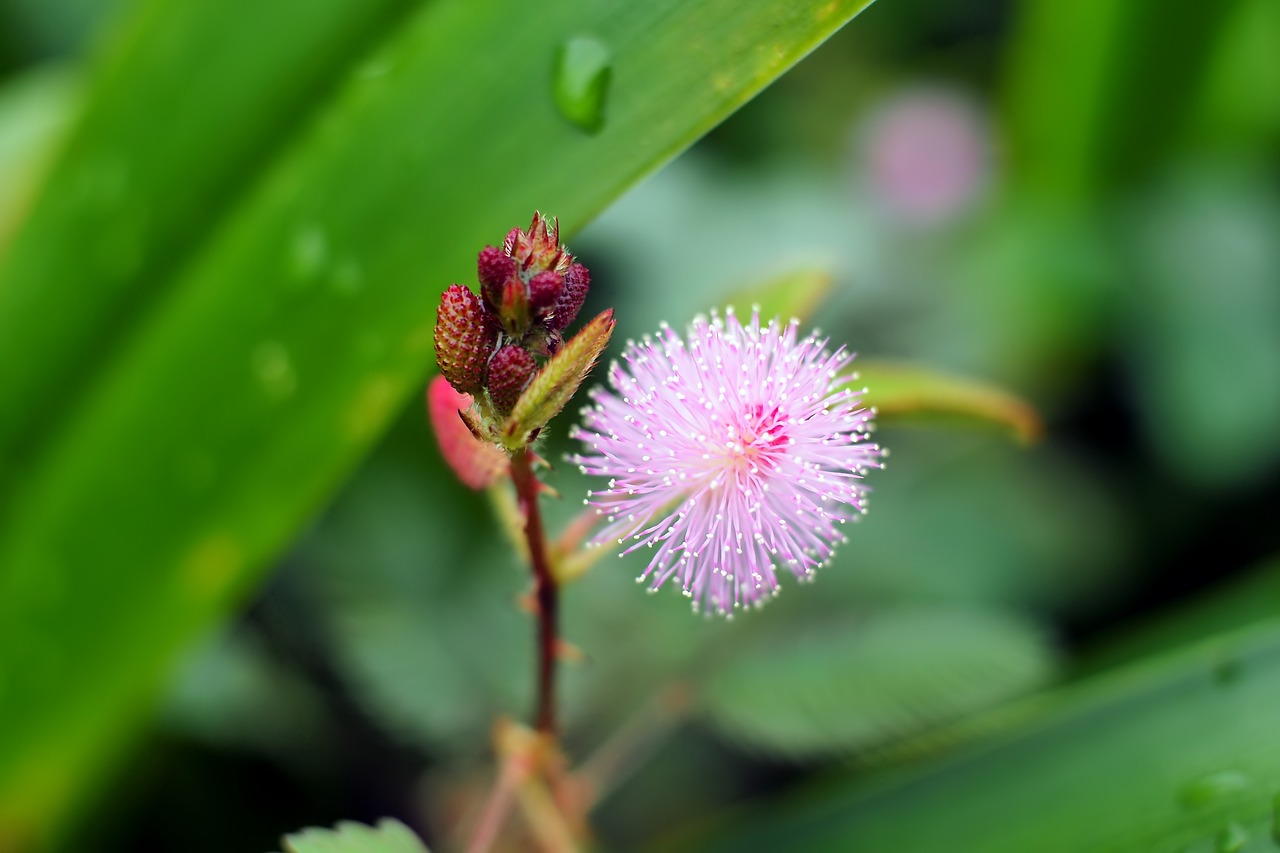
(221, 240)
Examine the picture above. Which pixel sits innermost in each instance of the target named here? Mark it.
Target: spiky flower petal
(732, 455)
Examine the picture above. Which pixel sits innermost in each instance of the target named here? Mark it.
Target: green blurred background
(1078, 201)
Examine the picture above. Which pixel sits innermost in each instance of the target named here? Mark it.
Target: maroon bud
(510, 371)
(463, 339)
(513, 311)
(494, 269)
(544, 293)
(577, 281)
(537, 249)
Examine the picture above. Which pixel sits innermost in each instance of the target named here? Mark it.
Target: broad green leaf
(185, 108)
(390, 836)
(902, 392)
(1173, 753)
(294, 316)
(796, 294)
(850, 685)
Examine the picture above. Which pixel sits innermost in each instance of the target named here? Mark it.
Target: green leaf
(165, 144)
(1168, 754)
(902, 392)
(252, 297)
(819, 688)
(390, 836)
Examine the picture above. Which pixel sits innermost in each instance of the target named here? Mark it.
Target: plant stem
(545, 591)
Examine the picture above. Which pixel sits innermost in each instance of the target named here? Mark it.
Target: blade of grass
(1095, 98)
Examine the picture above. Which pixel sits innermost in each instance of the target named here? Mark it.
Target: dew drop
(196, 470)
(374, 69)
(1212, 788)
(40, 582)
(104, 181)
(274, 370)
(1275, 819)
(309, 251)
(583, 68)
(1232, 838)
(347, 277)
(1226, 671)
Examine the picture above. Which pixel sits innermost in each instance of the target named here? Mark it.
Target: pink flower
(732, 455)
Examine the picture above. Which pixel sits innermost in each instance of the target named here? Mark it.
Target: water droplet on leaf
(309, 251)
(1212, 788)
(274, 370)
(580, 81)
(105, 181)
(1275, 819)
(196, 470)
(348, 277)
(379, 66)
(1231, 839)
(1226, 671)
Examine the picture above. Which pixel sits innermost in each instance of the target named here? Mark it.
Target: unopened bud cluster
(490, 346)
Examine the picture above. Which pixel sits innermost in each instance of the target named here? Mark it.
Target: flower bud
(544, 292)
(513, 312)
(494, 269)
(577, 281)
(510, 371)
(537, 249)
(463, 339)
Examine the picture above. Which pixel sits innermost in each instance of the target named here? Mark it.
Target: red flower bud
(510, 372)
(494, 269)
(513, 312)
(577, 281)
(463, 339)
(544, 293)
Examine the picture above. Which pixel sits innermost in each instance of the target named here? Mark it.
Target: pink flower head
(735, 453)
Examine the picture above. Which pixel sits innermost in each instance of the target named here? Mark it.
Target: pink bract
(733, 454)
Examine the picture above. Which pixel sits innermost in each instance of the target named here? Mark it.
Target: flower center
(766, 430)
(756, 440)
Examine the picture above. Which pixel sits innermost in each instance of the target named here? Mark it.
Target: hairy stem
(544, 586)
